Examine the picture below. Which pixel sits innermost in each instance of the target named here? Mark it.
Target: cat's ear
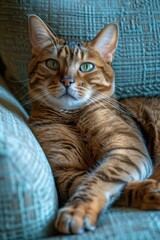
(39, 34)
(106, 41)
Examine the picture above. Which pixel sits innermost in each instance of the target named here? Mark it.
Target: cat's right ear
(39, 34)
(106, 41)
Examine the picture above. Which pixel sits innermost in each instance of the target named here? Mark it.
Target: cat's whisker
(21, 88)
(27, 94)
(120, 119)
(119, 107)
(24, 96)
(115, 103)
(123, 110)
(31, 100)
(112, 99)
(24, 85)
(37, 96)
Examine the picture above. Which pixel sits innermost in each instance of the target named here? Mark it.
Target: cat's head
(70, 75)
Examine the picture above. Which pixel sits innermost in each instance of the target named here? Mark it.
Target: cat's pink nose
(67, 81)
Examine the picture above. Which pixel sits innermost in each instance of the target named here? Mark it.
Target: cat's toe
(141, 194)
(151, 200)
(75, 220)
(64, 220)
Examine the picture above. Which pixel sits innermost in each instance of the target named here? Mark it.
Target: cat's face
(70, 75)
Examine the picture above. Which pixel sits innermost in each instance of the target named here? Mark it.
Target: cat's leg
(143, 194)
(84, 207)
(67, 180)
(66, 153)
(99, 189)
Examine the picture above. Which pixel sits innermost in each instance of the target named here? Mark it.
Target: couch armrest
(28, 198)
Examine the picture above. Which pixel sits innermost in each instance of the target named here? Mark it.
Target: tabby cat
(93, 143)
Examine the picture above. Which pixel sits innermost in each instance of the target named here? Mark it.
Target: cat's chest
(88, 125)
(87, 128)
(86, 134)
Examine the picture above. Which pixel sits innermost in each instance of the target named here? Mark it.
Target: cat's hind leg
(143, 194)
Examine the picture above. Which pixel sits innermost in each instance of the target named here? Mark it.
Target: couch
(28, 196)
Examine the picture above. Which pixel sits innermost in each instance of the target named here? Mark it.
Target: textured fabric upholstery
(28, 198)
(137, 60)
(122, 224)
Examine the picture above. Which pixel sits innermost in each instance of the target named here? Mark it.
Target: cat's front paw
(76, 219)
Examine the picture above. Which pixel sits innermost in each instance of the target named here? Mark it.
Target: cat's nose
(67, 81)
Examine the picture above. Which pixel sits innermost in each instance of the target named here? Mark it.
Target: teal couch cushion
(28, 198)
(137, 60)
(122, 224)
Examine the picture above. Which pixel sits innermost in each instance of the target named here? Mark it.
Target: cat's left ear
(106, 41)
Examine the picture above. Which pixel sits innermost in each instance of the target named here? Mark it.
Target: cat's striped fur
(93, 145)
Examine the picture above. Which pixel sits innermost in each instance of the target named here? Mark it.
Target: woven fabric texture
(137, 60)
(122, 224)
(28, 198)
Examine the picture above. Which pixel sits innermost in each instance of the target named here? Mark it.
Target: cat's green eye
(52, 64)
(86, 67)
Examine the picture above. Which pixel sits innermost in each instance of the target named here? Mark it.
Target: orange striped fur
(93, 144)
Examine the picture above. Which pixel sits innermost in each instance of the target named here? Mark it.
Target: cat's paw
(76, 219)
(151, 199)
(144, 195)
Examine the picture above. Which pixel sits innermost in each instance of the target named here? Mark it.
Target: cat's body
(80, 141)
(94, 147)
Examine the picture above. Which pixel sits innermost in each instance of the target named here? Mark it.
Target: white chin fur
(67, 103)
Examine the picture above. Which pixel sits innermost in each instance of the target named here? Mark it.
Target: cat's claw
(77, 219)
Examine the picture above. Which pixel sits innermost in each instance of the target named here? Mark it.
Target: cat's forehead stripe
(72, 51)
